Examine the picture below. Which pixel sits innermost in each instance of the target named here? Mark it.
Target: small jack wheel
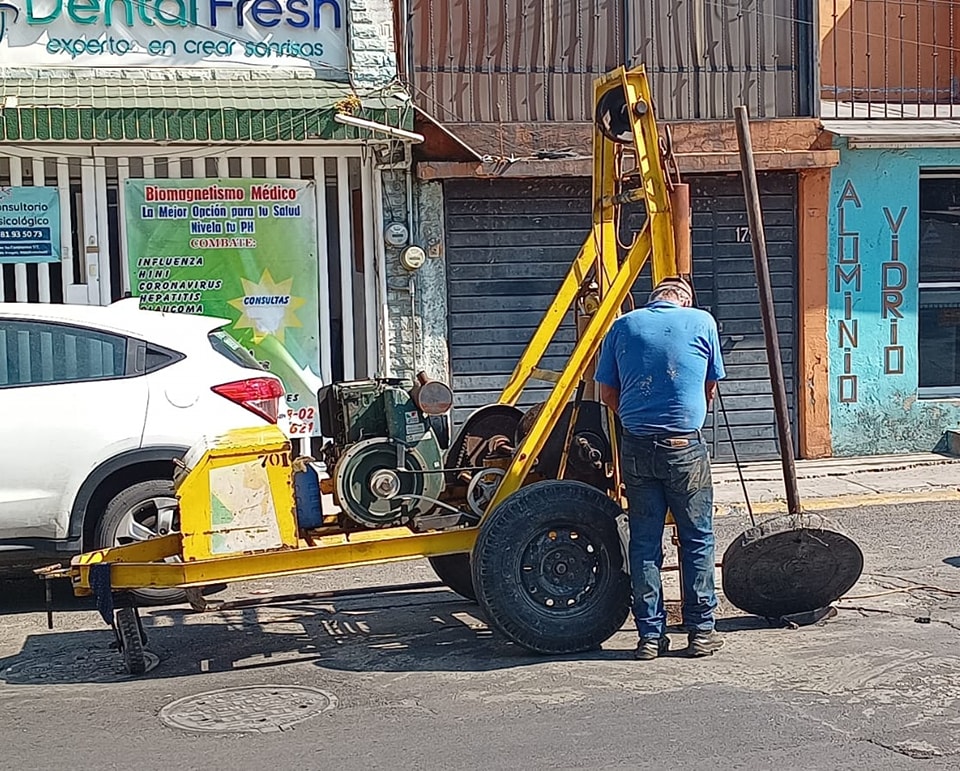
(131, 639)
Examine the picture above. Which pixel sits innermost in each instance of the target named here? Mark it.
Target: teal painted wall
(873, 301)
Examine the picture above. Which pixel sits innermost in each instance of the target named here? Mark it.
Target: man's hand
(710, 389)
(610, 396)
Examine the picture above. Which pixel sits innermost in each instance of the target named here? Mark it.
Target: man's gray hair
(675, 290)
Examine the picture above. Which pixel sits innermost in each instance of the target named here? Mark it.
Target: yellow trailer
(522, 511)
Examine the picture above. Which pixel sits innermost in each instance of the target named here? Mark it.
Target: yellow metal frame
(262, 457)
(598, 257)
(137, 566)
(597, 263)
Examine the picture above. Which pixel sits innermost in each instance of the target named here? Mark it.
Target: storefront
(509, 244)
(99, 102)
(894, 287)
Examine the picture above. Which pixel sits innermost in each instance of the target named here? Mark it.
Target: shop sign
(29, 224)
(243, 250)
(173, 33)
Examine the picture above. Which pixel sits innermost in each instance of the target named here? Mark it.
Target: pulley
(379, 483)
(586, 447)
(489, 431)
(483, 486)
(613, 117)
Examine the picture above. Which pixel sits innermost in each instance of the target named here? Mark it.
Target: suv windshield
(226, 346)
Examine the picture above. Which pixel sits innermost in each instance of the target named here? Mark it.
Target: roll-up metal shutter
(510, 242)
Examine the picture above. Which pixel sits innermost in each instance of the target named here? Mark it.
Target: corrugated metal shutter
(726, 285)
(509, 245)
(510, 242)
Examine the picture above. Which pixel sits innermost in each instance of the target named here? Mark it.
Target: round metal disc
(790, 565)
(360, 467)
(434, 398)
(479, 435)
(247, 709)
(612, 118)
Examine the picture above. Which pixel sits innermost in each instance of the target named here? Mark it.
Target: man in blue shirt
(658, 370)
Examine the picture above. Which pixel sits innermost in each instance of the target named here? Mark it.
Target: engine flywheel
(373, 490)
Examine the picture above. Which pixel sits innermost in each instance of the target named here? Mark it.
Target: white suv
(95, 406)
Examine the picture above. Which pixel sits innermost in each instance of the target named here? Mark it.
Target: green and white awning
(52, 108)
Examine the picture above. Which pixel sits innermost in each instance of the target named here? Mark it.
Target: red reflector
(260, 395)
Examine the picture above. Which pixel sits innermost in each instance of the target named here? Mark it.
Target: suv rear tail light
(260, 395)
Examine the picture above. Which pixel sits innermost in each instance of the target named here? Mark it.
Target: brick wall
(373, 57)
(416, 302)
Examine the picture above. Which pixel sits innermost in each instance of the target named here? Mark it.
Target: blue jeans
(659, 477)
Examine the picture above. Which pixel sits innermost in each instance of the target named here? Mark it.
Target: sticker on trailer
(243, 517)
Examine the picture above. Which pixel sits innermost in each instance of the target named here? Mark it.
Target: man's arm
(608, 371)
(715, 368)
(711, 390)
(610, 396)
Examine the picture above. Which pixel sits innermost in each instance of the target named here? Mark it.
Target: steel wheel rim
(562, 569)
(148, 519)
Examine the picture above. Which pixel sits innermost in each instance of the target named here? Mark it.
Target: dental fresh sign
(173, 33)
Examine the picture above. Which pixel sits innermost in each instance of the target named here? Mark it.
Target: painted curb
(842, 502)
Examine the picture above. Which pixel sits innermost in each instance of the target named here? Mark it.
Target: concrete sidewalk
(841, 482)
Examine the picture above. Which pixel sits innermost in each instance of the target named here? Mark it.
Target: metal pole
(767, 311)
(680, 206)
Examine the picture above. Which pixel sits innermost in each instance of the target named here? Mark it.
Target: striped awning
(153, 107)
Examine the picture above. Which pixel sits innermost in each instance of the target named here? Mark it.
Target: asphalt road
(416, 680)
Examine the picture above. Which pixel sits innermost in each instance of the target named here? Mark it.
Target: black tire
(517, 563)
(105, 535)
(131, 643)
(454, 570)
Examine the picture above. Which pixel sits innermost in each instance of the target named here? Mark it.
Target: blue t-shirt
(659, 357)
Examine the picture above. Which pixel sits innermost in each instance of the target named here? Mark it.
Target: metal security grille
(510, 242)
(474, 61)
(707, 56)
(93, 266)
(889, 59)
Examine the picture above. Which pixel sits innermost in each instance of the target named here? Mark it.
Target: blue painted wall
(873, 301)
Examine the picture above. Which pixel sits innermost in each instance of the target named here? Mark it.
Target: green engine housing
(385, 456)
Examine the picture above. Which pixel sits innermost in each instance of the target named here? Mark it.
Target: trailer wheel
(138, 513)
(131, 641)
(454, 571)
(549, 570)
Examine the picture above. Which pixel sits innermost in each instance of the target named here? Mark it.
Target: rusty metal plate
(790, 565)
(248, 709)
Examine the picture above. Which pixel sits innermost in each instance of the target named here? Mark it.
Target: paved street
(415, 680)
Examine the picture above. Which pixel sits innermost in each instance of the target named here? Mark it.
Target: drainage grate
(70, 666)
(255, 708)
